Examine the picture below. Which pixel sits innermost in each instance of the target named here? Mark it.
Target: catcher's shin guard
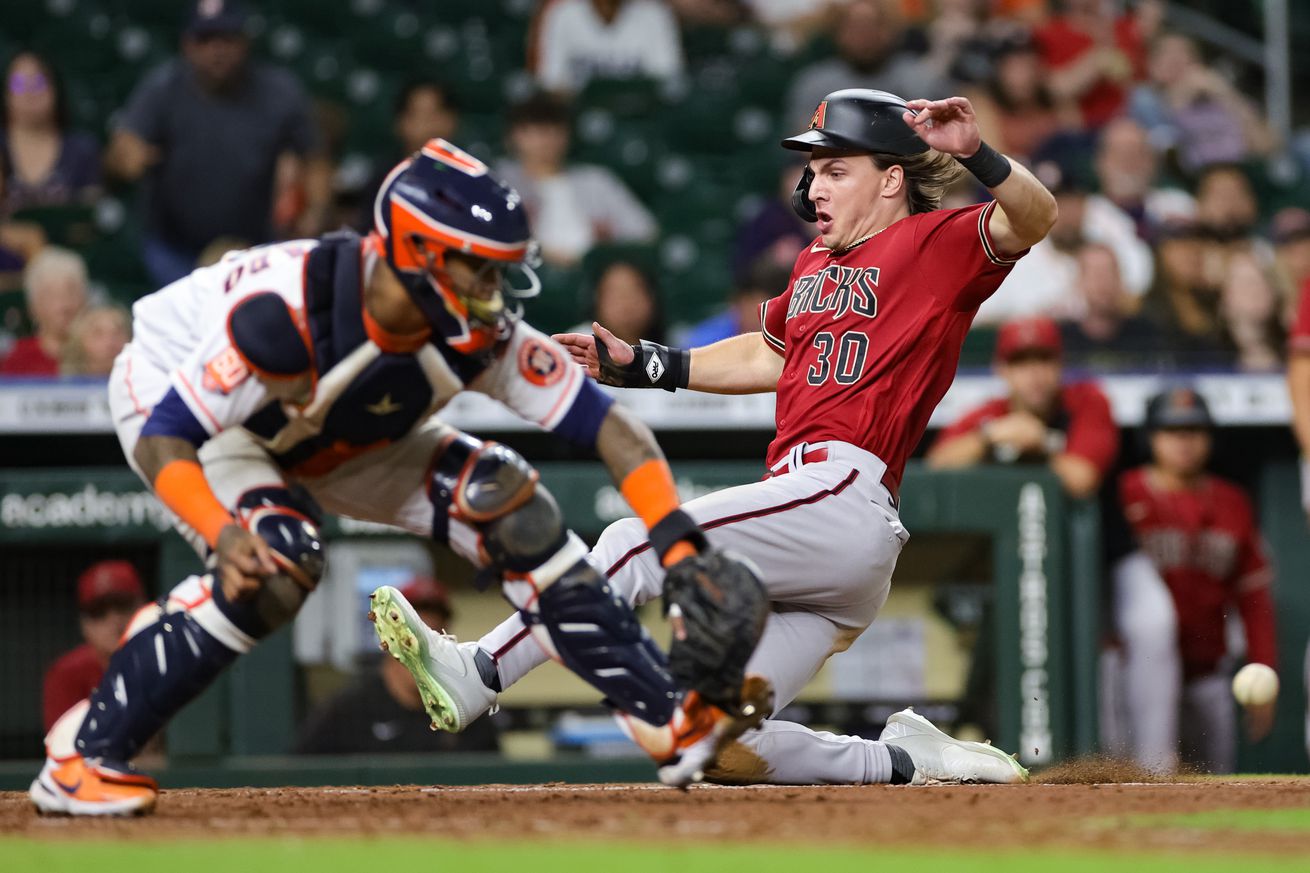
(570, 607)
(594, 633)
(172, 653)
(159, 668)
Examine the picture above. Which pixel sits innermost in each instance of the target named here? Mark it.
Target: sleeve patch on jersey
(540, 363)
(984, 215)
(225, 371)
(264, 332)
(581, 424)
(171, 417)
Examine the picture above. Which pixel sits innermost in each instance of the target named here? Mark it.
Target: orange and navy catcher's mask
(442, 200)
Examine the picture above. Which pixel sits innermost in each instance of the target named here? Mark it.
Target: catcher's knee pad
(167, 660)
(491, 487)
(289, 524)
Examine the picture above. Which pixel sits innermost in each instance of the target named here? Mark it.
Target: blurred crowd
(1175, 248)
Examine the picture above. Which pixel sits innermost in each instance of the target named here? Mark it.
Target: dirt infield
(1074, 816)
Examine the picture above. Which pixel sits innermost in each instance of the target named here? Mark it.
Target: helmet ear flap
(800, 198)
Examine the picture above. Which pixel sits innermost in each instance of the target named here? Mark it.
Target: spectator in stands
(1127, 172)
(56, 286)
(963, 39)
(424, 110)
(868, 35)
(1184, 300)
(1016, 108)
(1041, 421)
(627, 302)
(572, 207)
(1192, 555)
(792, 23)
(1194, 111)
(1226, 206)
(108, 593)
(45, 163)
(574, 41)
(219, 138)
(1291, 235)
(764, 281)
(95, 338)
(19, 241)
(1044, 281)
(380, 711)
(774, 231)
(1107, 335)
(1093, 55)
(1250, 310)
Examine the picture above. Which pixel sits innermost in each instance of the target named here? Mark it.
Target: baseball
(1255, 685)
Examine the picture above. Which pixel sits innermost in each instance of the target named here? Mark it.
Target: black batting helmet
(854, 118)
(1179, 407)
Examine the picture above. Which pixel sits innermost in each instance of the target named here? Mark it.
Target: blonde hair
(49, 263)
(72, 358)
(928, 176)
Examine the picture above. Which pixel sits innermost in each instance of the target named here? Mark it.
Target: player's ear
(894, 182)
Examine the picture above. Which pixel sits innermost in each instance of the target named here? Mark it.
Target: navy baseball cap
(212, 17)
(1180, 407)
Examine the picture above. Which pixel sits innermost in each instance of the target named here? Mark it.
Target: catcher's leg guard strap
(159, 669)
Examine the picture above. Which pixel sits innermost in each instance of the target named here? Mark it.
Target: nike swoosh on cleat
(71, 789)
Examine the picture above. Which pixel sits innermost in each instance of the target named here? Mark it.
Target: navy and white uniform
(268, 363)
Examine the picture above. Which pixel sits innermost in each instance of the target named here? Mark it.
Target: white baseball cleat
(941, 759)
(452, 690)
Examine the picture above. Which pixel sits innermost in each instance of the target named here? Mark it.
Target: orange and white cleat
(692, 741)
(69, 784)
(77, 786)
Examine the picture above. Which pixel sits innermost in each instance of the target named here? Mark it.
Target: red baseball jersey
(871, 336)
(70, 679)
(1205, 545)
(1083, 415)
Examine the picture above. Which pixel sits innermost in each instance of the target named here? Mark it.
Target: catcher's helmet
(854, 118)
(1179, 407)
(442, 200)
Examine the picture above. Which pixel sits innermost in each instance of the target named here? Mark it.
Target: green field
(385, 855)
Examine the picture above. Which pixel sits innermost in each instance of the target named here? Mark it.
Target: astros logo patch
(225, 372)
(540, 364)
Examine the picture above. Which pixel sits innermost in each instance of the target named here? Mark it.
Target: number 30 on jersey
(841, 358)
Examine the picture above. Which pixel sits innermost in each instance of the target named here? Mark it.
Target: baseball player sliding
(860, 347)
(306, 374)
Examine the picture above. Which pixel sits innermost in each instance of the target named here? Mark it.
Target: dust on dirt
(1097, 770)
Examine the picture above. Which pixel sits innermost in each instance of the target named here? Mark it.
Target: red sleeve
(958, 244)
(1060, 44)
(773, 321)
(1299, 340)
(1257, 609)
(60, 691)
(1254, 581)
(969, 423)
(1093, 435)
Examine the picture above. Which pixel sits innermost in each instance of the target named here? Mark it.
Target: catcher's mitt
(717, 606)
